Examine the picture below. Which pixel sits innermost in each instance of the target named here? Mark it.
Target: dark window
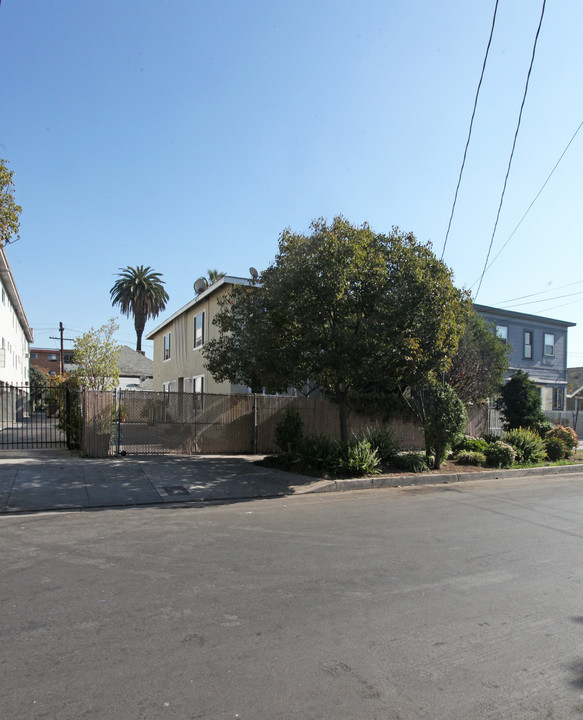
(558, 398)
(199, 330)
(167, 346)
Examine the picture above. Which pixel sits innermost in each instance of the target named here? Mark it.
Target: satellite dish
(254, 274)
(200, 285)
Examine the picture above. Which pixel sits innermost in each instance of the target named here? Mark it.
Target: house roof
(225, 280)
(134, 364)
(486, 309)
(12, 292)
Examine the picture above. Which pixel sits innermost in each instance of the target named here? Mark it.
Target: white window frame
(549, 348)
(167, 346)
(198, 380)
(528, 334)
(199, 338)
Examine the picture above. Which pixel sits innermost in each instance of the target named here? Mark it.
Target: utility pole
(52, 337)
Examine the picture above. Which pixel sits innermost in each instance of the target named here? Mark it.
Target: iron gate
(37, 417)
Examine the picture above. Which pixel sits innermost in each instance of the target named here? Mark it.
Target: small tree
(520, 403)
(96, 358)
(478, 367)
(9, 210)
(446, 421)
(214, 275)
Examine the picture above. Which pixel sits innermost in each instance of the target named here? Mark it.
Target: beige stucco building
(178, 362)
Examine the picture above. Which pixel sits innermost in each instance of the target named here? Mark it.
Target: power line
(542, 292)
(536, 198)
(513, 145)
(470, 130)
(544, 300)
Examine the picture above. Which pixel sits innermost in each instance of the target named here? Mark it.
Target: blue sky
(188, 134)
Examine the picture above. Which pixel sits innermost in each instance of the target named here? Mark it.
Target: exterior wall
(548, 372)
(14, 338)
(49, 360)
(186, 362)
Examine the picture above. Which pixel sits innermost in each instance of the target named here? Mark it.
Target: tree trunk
(139, 324)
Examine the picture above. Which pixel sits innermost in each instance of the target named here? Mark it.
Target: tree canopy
(337, 308)
(9, 210)
(96, 358)
(520, 403)
(478, 367)
(139, 292)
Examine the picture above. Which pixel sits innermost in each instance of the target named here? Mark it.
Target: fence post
(254, 423)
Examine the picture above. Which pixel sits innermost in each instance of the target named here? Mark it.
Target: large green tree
(478, 367)
(9, 210)
(336, 308)
(139, 292)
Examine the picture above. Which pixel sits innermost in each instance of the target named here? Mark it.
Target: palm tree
(214, 275)
(139, 292)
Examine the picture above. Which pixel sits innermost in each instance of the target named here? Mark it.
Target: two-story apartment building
(539, 347)
(178, 362)
(49, 360)
(15, 332)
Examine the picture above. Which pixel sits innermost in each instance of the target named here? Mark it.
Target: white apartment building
(15, 332)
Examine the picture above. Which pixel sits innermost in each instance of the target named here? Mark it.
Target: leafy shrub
(289, 431)
(500, 454)
(471, 444)
(362, 458)
(410, 462)
(470, 457)
(566, 434)
(321, 452)
(490, 438)
(542, 427)
(556, 448)
(446, 420)
(529, 445)
(382, 440)
(520, 402)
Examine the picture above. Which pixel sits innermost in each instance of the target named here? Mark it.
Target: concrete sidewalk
(39, 480)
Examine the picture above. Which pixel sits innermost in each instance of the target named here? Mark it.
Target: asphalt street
(440, 602)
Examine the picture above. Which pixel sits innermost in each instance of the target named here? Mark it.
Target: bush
(499, 454)
(556, 448)
(446, 420)
(321, 452)
(470, 457)
(410, 462)
(542, 427)
(529, 445)
(567, 436)
(520, 402)
(471, 444)
(490, 438)
(289, 431)
(362, 458)
(382, 440)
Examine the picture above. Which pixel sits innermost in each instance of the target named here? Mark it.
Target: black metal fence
(37, 417)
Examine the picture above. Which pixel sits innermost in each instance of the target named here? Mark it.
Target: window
(68, 358)
(53, 357)
(528, 345)
(549, 348)
(198, 384)
(167, 346)
(502, 332)
(199, 330)
(558, 398)
(34, 356)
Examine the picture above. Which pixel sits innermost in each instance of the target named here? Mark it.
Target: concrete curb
(388, 481)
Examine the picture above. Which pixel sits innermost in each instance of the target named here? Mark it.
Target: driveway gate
(37, 417)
